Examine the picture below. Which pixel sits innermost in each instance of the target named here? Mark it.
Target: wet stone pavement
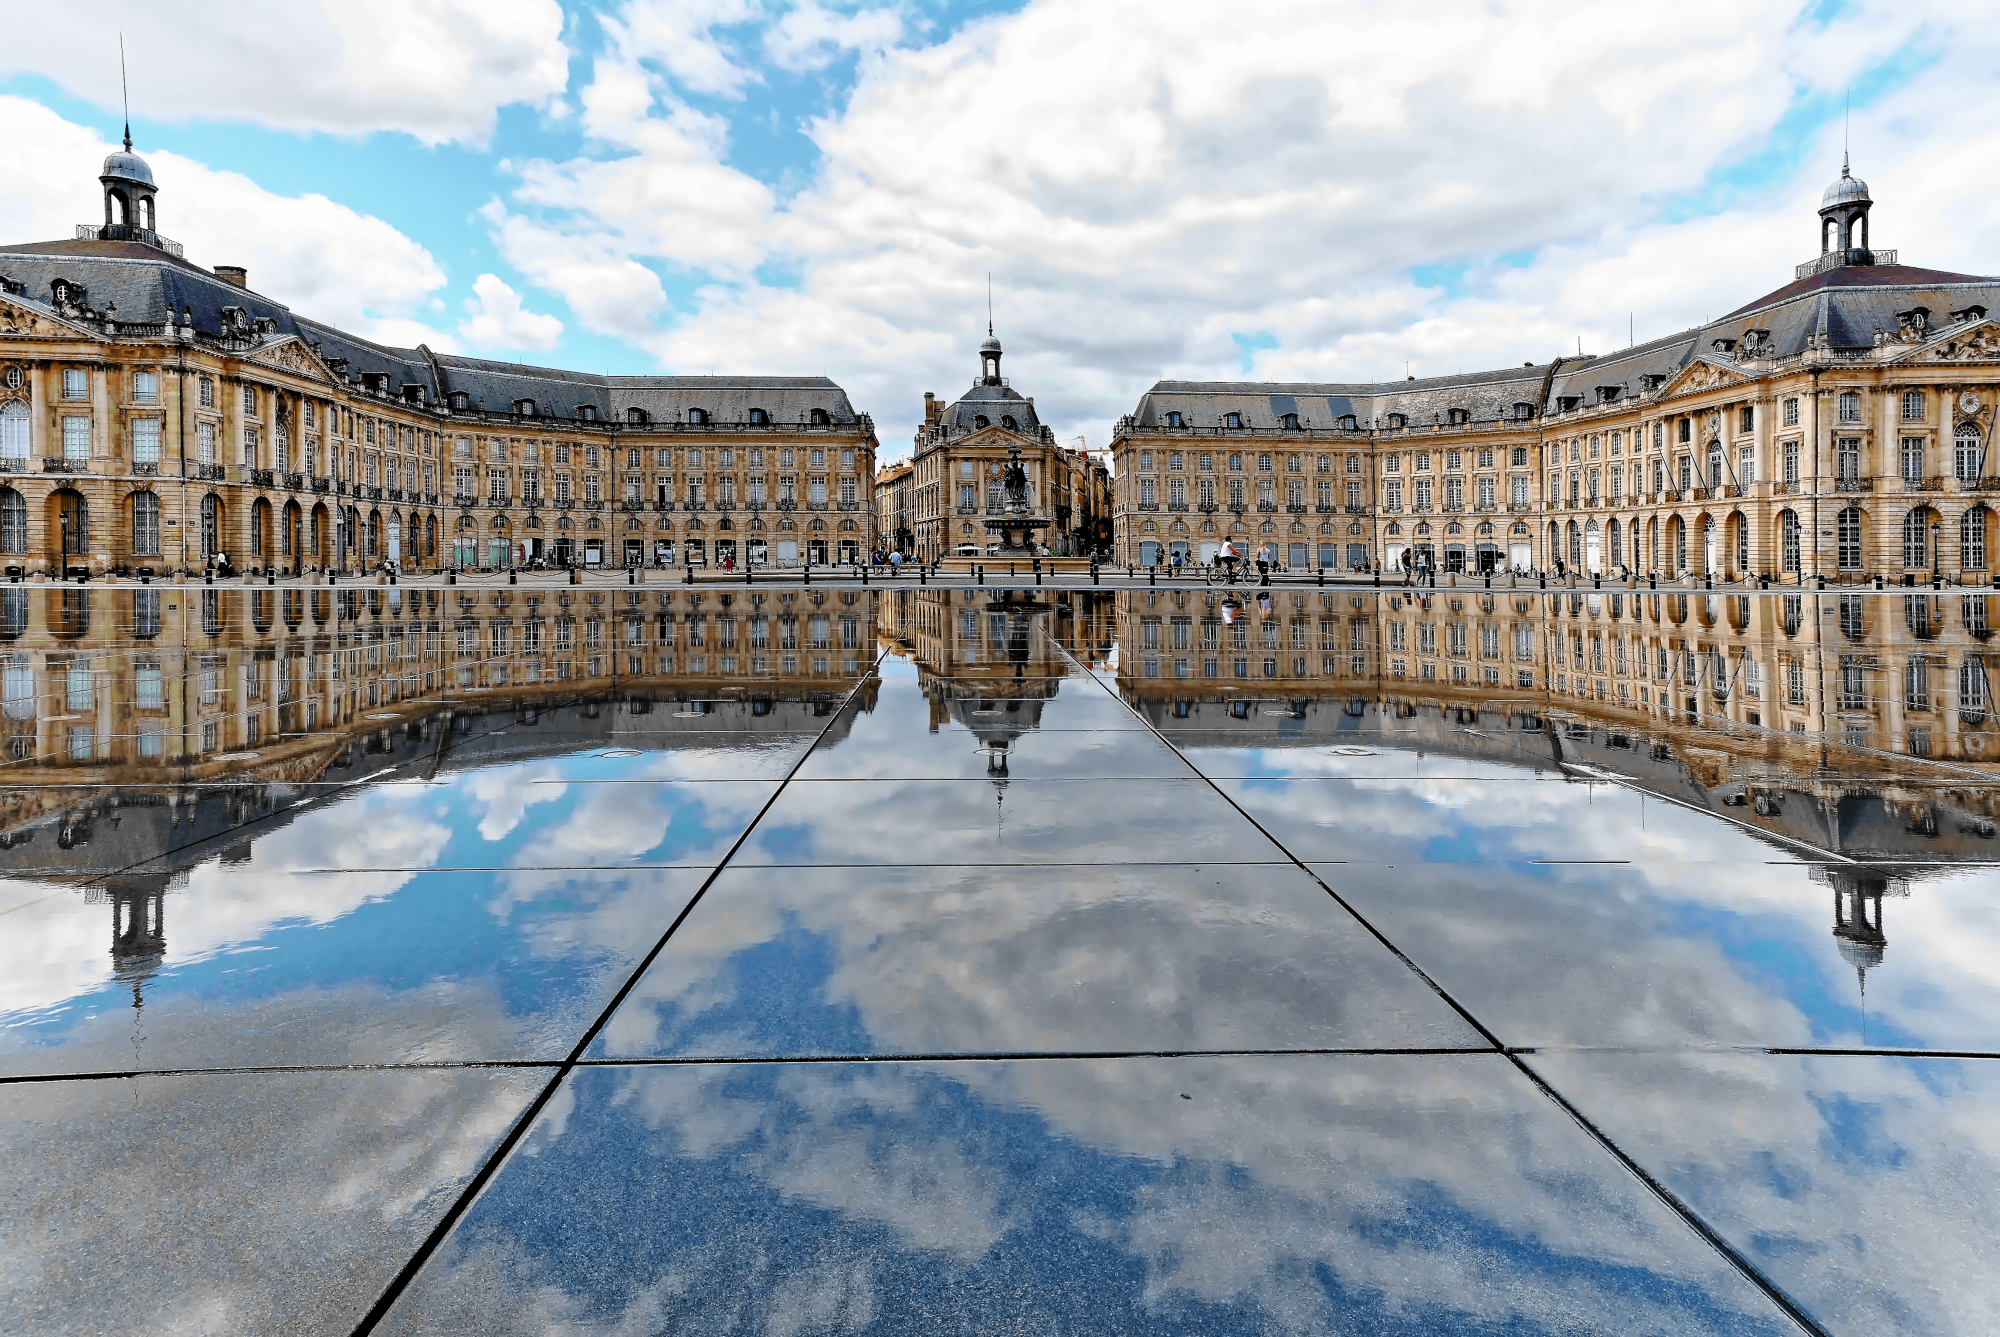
(809, 960)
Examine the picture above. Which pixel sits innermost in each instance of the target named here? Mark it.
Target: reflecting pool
(825, 958)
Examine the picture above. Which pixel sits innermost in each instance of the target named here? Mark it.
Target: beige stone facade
(961, 454)
(155, 415)
(1841, 426)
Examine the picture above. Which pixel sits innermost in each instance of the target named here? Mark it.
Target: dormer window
(1458, 417)
(1722, 345)
(980, 422)
(1174, 420)
(1347, 422)
(460, 401)
(637, 416)
(759, 418)
(1291, 421)
(413, 393)
(1969, 313)
(1652, 381)
(1567, 403)
(1007, 421)
(1523, 412)
(819, 418)
(1232, 420)
(586, 413)
(524, 408)
(698, 417)
(1608, 394)
(1398, 421)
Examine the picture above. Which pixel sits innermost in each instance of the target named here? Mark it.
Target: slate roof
(1844, 308)
(149, 286)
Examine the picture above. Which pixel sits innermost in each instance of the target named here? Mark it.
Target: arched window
(1968, 453)
(1007, 421)
(145, 524)
(1972, 539)
(13, 521)
(1788, 540)
(14, 419)
(1291, 421)
(980, 420)
(1916, 538)
(1847, 537)
(211, 526)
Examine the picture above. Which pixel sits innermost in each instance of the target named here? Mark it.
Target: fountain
(1016, 525)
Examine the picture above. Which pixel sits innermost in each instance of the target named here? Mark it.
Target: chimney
(233, 274)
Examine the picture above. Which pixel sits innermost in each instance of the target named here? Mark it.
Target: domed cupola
(1844, 206)
(128, 196)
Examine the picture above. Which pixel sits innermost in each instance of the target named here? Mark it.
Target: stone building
(960, 457)
(1839, 426)
(894, 518)
(154, 414)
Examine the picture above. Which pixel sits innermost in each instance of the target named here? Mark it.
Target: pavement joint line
(490, 1166)
(1727, 1251)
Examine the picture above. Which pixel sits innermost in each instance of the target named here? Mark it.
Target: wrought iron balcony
(295, 481)
(59, 465)
(1853, 485)
(262, 478)
(146, 468)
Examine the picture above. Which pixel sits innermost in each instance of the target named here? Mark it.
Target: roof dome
(1847, 190)
(992, 345)
(126, 165)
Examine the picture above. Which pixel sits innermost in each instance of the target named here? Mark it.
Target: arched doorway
(1710, 551)
(1593, 549)
(211, 527)
(291, 535)
(317, 538)
(260, 530)
(145, 533)
(68, 521)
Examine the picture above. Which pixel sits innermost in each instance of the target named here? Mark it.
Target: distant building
(155, 414)
(961, 453)
(1839, 426)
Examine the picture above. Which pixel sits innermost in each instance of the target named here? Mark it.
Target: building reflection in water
(1838, 728)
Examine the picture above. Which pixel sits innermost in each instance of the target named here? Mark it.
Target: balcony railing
(464, 500)
(322, 484)
(146, 468)
(295, 481)
(262, 478)
(1267, 508)
(1923, 485)
(1354, 508)
(1295, 508)
(210, 472)
(1853, 485)
(59, 465)
(1149, 505)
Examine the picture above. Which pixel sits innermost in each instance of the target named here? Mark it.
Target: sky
(1333, 190)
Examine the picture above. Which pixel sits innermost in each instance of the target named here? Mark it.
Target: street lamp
(1937, 558)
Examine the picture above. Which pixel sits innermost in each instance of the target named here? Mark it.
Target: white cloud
(323, 259)
(811, 38)
(438, 70)
(495, 319)
(1138, 207)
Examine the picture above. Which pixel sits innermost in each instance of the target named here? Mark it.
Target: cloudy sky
(1328, 189)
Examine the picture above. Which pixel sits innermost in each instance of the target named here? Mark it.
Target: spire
(989, 304)
(125, 92)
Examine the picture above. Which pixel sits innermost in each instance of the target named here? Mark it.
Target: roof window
(524, 408)
(759, 418)
(698, 417)
(1523, 412)
(1232, 420)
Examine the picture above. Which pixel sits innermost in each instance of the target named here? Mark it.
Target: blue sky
(763, 185)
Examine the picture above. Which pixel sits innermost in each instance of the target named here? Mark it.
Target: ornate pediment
(1702, 375)
(1977, 342)
(30, 320)
(291, 354)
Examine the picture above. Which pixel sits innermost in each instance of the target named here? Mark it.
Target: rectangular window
(76, 439)
(1913, 406)
(75, 383)
(1913, 457)
(146, 440)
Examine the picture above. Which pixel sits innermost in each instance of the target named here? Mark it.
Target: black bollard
(1652, 581)
(1152, 575)
(513, 576)
(1038, 574)
(982, 573)
(809, 573)
(450, 578)
(749, 576)
(1322, 577)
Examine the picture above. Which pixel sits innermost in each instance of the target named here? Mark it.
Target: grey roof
(993, 403)
(126, 165)
(1847, 190)
(149, 286)
(1487, 395)
(1841, 308)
